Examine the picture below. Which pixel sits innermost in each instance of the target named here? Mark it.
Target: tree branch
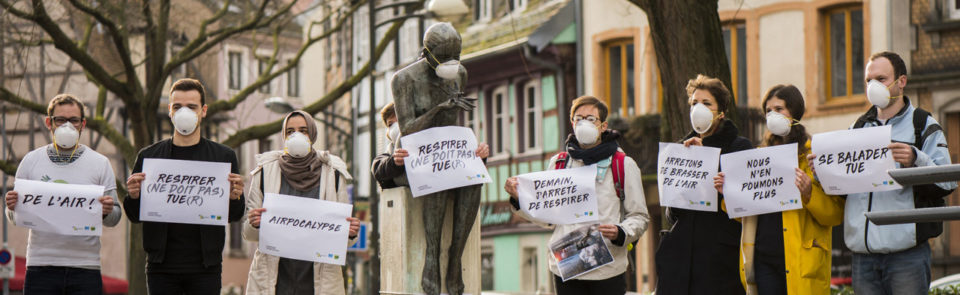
(6, 95)
(69, 47)
(120, 142)
(267, 129)
(242, 95)
(119, 41)
(8, 167)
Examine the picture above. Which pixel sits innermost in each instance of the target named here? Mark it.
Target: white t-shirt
(51, 249)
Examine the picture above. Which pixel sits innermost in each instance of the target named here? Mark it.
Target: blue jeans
(902, 273)
(41, 280)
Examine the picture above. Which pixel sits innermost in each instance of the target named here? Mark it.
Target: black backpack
(925, 195)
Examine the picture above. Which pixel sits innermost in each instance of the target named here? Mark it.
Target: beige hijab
(302, 173)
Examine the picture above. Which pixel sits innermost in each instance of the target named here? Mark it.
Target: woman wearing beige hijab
(297, 170)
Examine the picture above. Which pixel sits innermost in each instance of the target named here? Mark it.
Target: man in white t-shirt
(64, 264)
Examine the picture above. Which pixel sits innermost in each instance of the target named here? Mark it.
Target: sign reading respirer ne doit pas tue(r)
(442, 158)
(180, 191)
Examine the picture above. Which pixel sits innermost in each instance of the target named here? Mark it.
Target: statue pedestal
(402, 245)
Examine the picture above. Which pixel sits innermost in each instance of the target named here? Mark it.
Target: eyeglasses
(589, 118)
(63, 120)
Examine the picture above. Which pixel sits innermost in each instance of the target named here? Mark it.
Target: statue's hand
(465, 103)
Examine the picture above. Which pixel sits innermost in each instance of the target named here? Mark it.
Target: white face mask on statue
(297, 145)
(701, 118)
(448, 70)
(66, 136)
(879, 94)
(586, 132)
(778, 124)
(185, 121)
(394, 133)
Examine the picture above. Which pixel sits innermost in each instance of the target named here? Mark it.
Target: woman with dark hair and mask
(699, 253)
(623, 218)
(297, 170)
(789, 252)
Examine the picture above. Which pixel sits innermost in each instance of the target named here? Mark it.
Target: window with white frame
(500, 115)
(530, 129)
(953, 9)
(235, 59)
(293, 81)
(483, 9)
(262, 64)
(517, 5)
(469, 119)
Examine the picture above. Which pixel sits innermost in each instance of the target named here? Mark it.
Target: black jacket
(155, 233)
(700, 254)
(385, 171)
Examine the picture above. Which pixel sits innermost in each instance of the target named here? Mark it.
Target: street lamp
(278, 105)
(434, 8)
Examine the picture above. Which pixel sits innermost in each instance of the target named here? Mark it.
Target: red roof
(111, 285)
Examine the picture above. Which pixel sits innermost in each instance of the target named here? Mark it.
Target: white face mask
(448, 70)
(297, 145)
(394, 133)
(879, 94)
(778, 124)
(185, 121)
(66, 136)
(586, 132)
(701, 118)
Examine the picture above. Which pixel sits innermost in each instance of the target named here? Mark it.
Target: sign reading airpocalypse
(179, 191)
(685, 176)
(305, 229)
(442, 158)
(66, 209)
(854, 161)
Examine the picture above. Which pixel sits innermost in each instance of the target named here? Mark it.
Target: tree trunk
(688, 40)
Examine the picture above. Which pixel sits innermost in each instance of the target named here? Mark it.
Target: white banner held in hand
(685, 176)
(66, 209)
(761, 181)
(179, 191)
(442, 158)
(565, 196)
(305, 229)
(854, 161)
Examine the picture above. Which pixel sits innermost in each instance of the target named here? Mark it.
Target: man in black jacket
(185, 258)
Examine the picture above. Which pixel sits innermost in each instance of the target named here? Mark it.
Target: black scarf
(607, 147)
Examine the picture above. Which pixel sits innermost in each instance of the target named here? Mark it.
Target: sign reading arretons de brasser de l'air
(179, 191)
(685, 176)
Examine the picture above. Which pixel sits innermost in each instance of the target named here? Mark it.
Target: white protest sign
(442, 158)
(854, 161)
(66, 209)
(564, 196)
(179, 191)
(305, 229)
(761, 181)
(685, 176)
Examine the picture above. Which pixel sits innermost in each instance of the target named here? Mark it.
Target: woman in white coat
(297, 170)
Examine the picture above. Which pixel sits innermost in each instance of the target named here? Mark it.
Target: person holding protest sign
(185, 258)
(895, 259)
(388, 167)
(622, 208)
(789, 252)
(298, 170)
(699, 253)
(56, 263)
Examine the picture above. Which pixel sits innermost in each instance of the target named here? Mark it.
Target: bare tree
(136, 61)
(688, 40)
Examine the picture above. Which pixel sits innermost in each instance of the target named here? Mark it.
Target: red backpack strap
(561, 162)
(617, 169)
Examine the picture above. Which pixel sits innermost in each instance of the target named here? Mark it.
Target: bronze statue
(429, 93)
